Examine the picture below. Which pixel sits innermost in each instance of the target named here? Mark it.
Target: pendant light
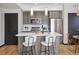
(31, 12)
(46, 12)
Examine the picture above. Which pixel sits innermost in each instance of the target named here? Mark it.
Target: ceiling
(40, 6)
(25, 5)
(35, 6)
(9, 5)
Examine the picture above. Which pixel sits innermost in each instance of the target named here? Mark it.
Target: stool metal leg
(48, 50)
(31, 50)
(53, 49)
(34, 50)
(26, 50)
(22, 50)
(40, 48)
(45, 50)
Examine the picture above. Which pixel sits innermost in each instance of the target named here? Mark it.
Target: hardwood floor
(8, 50)
(68, 50)
(13, 50)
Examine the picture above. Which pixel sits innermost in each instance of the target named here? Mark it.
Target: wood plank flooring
(8, 50)
(13, 50)
(68, 50)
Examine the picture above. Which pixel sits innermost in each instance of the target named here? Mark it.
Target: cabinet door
(55, 14)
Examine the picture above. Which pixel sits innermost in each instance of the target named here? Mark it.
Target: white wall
(68, 8)
(1, 27)
(2, 21)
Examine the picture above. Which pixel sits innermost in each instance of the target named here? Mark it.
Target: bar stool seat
(26, 44)
(29, 41)
(46, 43)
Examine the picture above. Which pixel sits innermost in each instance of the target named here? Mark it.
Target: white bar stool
(49, 42)
(29, 42)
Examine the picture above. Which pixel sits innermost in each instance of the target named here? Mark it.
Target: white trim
(20, 16)
(2, 41)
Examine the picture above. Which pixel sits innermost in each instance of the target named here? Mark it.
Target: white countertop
(38, 34)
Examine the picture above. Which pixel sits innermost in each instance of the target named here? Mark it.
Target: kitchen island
(39, 36)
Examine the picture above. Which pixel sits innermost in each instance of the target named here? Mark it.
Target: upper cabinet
(37, 18)
(55, 14)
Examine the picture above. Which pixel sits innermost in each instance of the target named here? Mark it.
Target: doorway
(73, 23)
(11, 28)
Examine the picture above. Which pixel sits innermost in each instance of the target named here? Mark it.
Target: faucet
(42, 29)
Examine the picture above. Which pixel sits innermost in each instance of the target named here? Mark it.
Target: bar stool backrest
(30, 39)
(50, 39)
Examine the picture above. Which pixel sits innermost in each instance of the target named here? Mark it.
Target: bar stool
(29, 43)
(49, 42)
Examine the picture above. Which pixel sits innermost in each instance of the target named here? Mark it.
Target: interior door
(73, 23)
(11, 28)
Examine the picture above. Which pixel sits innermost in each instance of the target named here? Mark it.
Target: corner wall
(2, 41)
(2, 22)
(68, 8)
